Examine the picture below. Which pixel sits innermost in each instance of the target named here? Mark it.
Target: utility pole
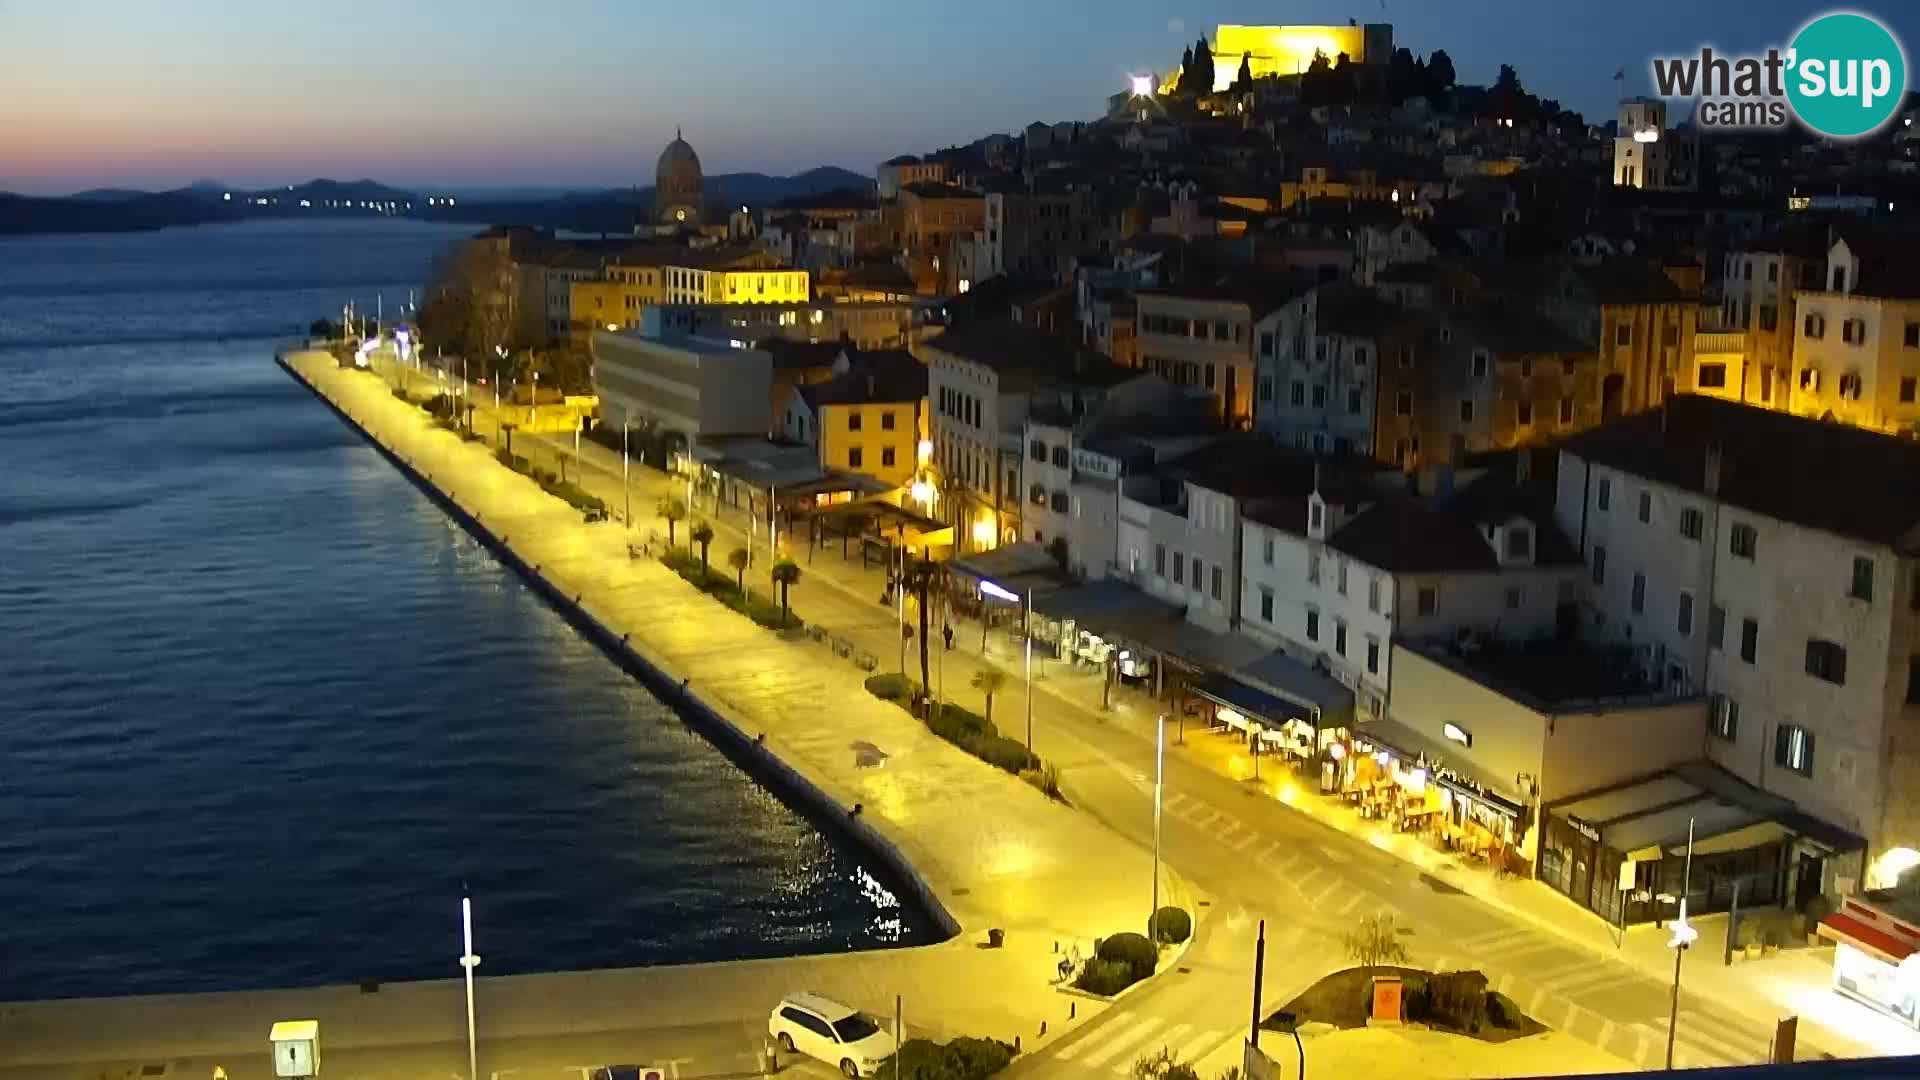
(1683, 936)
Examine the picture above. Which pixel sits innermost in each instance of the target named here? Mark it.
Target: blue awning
(1247, 701)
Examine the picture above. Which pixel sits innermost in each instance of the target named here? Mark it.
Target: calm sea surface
(263, 708)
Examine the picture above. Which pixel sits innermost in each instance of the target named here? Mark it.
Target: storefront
(1621, 851)
(1876, 956)
(1388, 771)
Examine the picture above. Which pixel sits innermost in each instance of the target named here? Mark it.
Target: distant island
(207, 202)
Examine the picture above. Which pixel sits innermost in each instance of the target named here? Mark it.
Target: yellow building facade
(723, 285)
(1281, 50)
(880, 439)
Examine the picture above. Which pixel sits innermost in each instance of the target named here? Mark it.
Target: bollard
(1043, 1029)
(1016, 1044)
(1073, 1007)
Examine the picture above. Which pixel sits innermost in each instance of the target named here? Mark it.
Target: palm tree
(786, 574)
(918, 579)
(702, 534)
(673, 508)
(989, 682)
(738, 558)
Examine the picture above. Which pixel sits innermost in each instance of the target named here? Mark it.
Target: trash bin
(769, 1059)
(996, 938)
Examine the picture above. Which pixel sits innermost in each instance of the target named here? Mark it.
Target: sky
(584, 93)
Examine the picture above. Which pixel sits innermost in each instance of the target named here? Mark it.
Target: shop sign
(1581, 827)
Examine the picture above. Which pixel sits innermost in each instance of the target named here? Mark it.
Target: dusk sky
(585, 92)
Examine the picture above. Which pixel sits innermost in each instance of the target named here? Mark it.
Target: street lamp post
(1683, 936)
(468, 961)
(1159, 785)
(1026, 609)
(626, 487)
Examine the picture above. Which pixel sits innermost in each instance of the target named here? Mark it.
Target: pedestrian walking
(947, 632)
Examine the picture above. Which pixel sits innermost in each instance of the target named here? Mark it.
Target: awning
(1247, 701)
(1283, 676)
(1442, 764)
(1844, 928)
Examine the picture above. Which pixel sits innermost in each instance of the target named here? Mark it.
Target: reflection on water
(264, 709)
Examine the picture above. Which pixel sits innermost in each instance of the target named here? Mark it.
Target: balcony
(1719, 341)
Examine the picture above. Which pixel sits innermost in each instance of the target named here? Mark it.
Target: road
(1234, 840)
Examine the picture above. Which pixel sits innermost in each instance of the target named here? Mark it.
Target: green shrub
(961, 1059)
(890, 687)
(1000, 752)
(1502, 1012)
(1105, 977)
(1133, 950)
(1170, 925)
(1458, 1000)
(512, 461)
(1044, 777)
(955, 724)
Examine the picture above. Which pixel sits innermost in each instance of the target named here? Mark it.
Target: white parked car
(828, 1031)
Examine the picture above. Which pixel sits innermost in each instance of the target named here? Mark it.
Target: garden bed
(564, 490)
(969, 731)
(753, 605)
(1457, 1003)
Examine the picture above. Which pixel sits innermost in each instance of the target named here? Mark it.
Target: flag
(1620, 75)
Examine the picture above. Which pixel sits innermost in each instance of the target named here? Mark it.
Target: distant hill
(618, 209)
(207, 201)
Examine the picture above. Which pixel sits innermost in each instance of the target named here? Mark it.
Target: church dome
(678, 188)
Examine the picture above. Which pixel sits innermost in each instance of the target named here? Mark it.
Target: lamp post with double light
(1026, 632)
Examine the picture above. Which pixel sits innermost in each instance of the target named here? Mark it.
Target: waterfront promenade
(992, 851)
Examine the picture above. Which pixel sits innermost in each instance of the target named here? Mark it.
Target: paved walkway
(994, 851)
(1791, 982)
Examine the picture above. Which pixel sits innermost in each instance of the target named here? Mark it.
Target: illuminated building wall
(1287, 50)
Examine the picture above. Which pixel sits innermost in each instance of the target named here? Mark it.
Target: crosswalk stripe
(1228, 825)
(1586, 979)
(1198, 1046)
(1695, 1046)
(1353, 901)
(1121, 1043)
(1322, 897)
(1167, 1038)
(1245, 842)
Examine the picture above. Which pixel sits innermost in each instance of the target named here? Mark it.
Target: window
(1723, 718)
(853, 458)
(1214, 583)
(1524, 414)
(1516, 595)
(1519, 542)
(1815, 326)
(1646, 507)
(1319, 397)
(1793, 748)
(1466, 410)
(1353, 403)
(1809, 378)
(1313, 568)
(1266, 343)
(1604, 494)
(886, 420)
(1314, 511)
(1599, 565)
(1743, 540)
(1179, 568)
(1403, 403)
(1427, 600)
(1264, 388)
(1749, 639)
(1297, 393)
(1266, 605)
(1373, 655)
(1340, 637)
(1373, 593)
(1623, 334)
(1683, 619)
(1691, 523)
(1773, 272)
(1266, 550)
(1670, 335)
(1861, 587)
(1853, 331)
(1341, 586)
(1406, 356)
(1913, 679)
(1716, 626)
(1160, 560)
(1906, 389)
(1198, 568)
(1769, 317)
(1480, 363)
(1313, 624)
(1060, 502)
(1060, 458)
(886, 457)
(853, 419)
(1639, 592)
(1713, 376)
(1037, 450)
